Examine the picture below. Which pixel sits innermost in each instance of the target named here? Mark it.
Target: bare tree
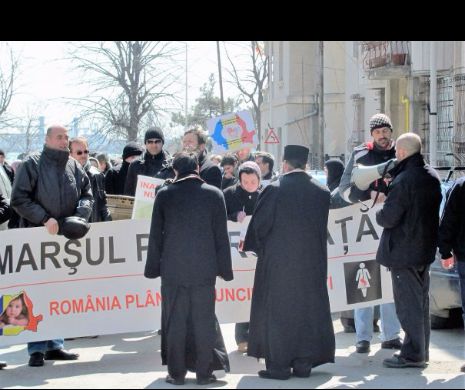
(250, 81)
(130, 80)
(8, 75)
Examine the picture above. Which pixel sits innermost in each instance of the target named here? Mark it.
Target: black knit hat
(132, 149)
(379, 120)
(296, 152)
(154, 132)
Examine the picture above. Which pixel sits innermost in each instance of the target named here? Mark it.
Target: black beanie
(335, 169)
(132, 149)
(154, 132)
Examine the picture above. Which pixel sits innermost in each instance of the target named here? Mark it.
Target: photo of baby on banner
(17, 315)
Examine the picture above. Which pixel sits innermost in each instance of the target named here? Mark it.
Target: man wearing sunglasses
(155, 161)
(79, 150)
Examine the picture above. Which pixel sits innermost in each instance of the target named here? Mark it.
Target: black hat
(132, 149)
(379, 120)
(154, 132)
(73, 228)
(296, 152)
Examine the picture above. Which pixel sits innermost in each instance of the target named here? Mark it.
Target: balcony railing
(384, 59)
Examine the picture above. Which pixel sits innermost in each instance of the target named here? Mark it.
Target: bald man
(410, 218)
(48, 187)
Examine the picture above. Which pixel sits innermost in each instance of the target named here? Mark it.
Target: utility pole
(321, 111)
(433, 115)
(220, 76)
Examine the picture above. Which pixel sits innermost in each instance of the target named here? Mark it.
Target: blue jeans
(44, 346)
(390, 325)
(461, 269)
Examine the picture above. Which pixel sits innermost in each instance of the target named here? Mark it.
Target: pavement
(133, 361)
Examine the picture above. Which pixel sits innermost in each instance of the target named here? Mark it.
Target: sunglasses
(81, 152)
(154, 141)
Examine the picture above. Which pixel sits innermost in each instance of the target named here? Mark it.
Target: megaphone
(363, 176)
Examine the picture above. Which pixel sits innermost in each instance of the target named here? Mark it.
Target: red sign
(271, 138)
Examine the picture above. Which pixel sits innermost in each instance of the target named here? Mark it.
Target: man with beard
(378, 151)
(154, 162)
(290, 320)
(195, 140)
(188, 248)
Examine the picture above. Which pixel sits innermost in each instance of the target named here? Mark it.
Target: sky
(46, 78)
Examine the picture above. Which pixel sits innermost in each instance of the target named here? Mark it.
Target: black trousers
(189, 311)
(301, 366)
(411, 296)
(242, 332)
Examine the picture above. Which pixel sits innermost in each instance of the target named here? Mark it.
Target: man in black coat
(452, 235)
(155, 161)
(195, 140)
(79, 150)
(290, 320)
(410, 218)
(116, 176)
(49, 187)
(189, 247)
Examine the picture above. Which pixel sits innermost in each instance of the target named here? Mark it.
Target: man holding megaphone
(358, 183)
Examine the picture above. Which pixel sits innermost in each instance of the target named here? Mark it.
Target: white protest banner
(231, 132)
(355, 279)
(95, 285)
(145, 196)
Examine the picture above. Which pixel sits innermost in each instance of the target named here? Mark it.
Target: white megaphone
(363, 176)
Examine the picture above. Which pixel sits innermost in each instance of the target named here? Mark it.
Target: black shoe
(206, 380)
(60, 354)
(348, 325)
(392, 344)
(174, 381)
(265, 374)
(301, 374)
(462, 369)
(400, 362)
(3, 365)
(36, 359)
(362, 346)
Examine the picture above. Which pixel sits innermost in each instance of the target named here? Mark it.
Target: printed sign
(145, 196)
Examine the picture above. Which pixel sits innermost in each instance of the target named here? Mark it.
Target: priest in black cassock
(189, 247)
(290, 322)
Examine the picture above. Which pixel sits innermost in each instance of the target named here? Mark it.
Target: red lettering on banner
(129, 300)
(149, 194)
(233, 294)
(54, 307)
(330, 282)
(147, 185)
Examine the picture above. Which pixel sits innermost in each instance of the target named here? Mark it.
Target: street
(133, 361)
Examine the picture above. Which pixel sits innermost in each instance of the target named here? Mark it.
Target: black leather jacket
(100, 212)
(51, 184)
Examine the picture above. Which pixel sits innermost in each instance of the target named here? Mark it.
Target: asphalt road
(133, 361)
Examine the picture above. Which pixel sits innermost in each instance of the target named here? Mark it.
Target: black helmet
(73, 228)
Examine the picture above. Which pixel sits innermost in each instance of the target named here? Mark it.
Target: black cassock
(189, 247)
(290, 315)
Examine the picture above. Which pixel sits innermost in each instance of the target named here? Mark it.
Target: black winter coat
(290, 316)
(209, 172)
(452, 228)
(51, 184)
(116, 179)
(149, 165)
(237, 199)
(410, 215)
(189, 242)
(100, 212)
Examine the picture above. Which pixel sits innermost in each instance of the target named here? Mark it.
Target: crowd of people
(290, 320)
